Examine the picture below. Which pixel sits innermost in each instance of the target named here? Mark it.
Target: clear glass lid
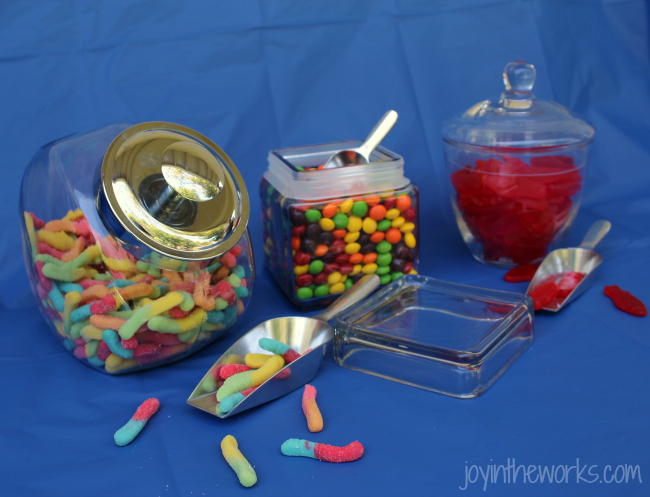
(518, 119)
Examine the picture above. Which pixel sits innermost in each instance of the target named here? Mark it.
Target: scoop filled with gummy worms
(144, 259)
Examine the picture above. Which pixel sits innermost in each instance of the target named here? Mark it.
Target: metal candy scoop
(307, 335)
(581, 259)
(361, 155)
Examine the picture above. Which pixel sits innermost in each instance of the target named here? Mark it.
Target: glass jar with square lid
(516, 166)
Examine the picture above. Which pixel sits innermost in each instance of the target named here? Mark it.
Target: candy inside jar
(517, 169)
(127, 278)
(326, 228)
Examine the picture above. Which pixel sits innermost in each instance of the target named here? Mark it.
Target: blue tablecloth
(256, 76)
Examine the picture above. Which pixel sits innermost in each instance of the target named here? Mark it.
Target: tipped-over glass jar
(136, 244)
(517, 168)
(325, 228)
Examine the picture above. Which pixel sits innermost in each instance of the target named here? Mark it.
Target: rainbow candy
(238, 462)
(130, 430)
(288, 354)
(310, 408)
(248, 379)
(322, 452)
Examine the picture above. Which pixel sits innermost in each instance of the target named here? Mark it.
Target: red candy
(147, 350)
(544, 294)
(331, 453)
(304, 280)
(625, 301)
(107, 304)
(129, 344)
(103, 351)
(521, 273)
(515, 209)
(228, 259)
(178, 313)
(227, 370)
(290, 356)
(159, 338)
(569, 282)
(147, 409)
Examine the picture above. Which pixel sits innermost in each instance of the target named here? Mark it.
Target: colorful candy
(238, 462)
(288, 354)
(90, 285)
(130, 430)
(515, 210)
(320, 249)
(625, 301)
(248, 379)
(322, 452)
(310, 408)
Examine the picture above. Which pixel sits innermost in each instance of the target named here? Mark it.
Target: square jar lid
(438, 320)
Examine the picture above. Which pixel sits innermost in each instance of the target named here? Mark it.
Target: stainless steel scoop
(307, 335)
(361, 155)
(581, 259)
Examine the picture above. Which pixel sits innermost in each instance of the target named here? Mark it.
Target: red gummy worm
(521, 273)
(625, 301)
(331, 453)
(290, 355)
(147, 409)
(544, 294)
(227, 370)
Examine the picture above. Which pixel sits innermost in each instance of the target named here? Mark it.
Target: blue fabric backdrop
(256, 76)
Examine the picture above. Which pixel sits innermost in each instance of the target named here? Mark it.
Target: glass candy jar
(325, 228)
(516, 167)
(136, 244)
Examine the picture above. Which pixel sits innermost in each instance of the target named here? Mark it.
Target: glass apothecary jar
(516, 167)
(325, 228)
(136, 244)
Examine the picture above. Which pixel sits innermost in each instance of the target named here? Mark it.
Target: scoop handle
(377, 134)
(357, 292)
(595, 234)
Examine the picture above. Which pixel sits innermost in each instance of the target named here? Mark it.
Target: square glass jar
(325, 228)
(445, 337)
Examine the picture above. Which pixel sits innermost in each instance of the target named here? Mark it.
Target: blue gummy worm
(120, 283)
(66, 287)
(231, 401)
(95, 361)
(216, 317)
(298, 447)
(112, 339)
(81, 313)
(57, 299)
(273, 346)
(126, 434)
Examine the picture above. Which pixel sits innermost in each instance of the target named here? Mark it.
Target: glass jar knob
(518, 78)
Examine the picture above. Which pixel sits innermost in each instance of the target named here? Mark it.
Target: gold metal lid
(175, 191)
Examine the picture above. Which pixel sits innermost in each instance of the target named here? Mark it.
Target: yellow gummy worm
(115, 363)
(270, 367)
(90, 332)
(256, 361)
(123, 265)
(73, 215)
(171, 325)
(70, 303)
(59, 240)
(144, 314)
(238, 462)
(29, 224)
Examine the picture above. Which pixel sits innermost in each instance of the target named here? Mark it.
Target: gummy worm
(142, 315)
(93, 292)
(248, 379)
(135, 291)
(59, 240)
(322, 452)
(288, 354)
(29, 224)
(66, 287)
(231, 401)
(112, 339)
(57, 298)
(310, 408)
(238, 462)
(130, 430)
(106, 322)
(171, 325)
(256, 361)
(71, 301)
